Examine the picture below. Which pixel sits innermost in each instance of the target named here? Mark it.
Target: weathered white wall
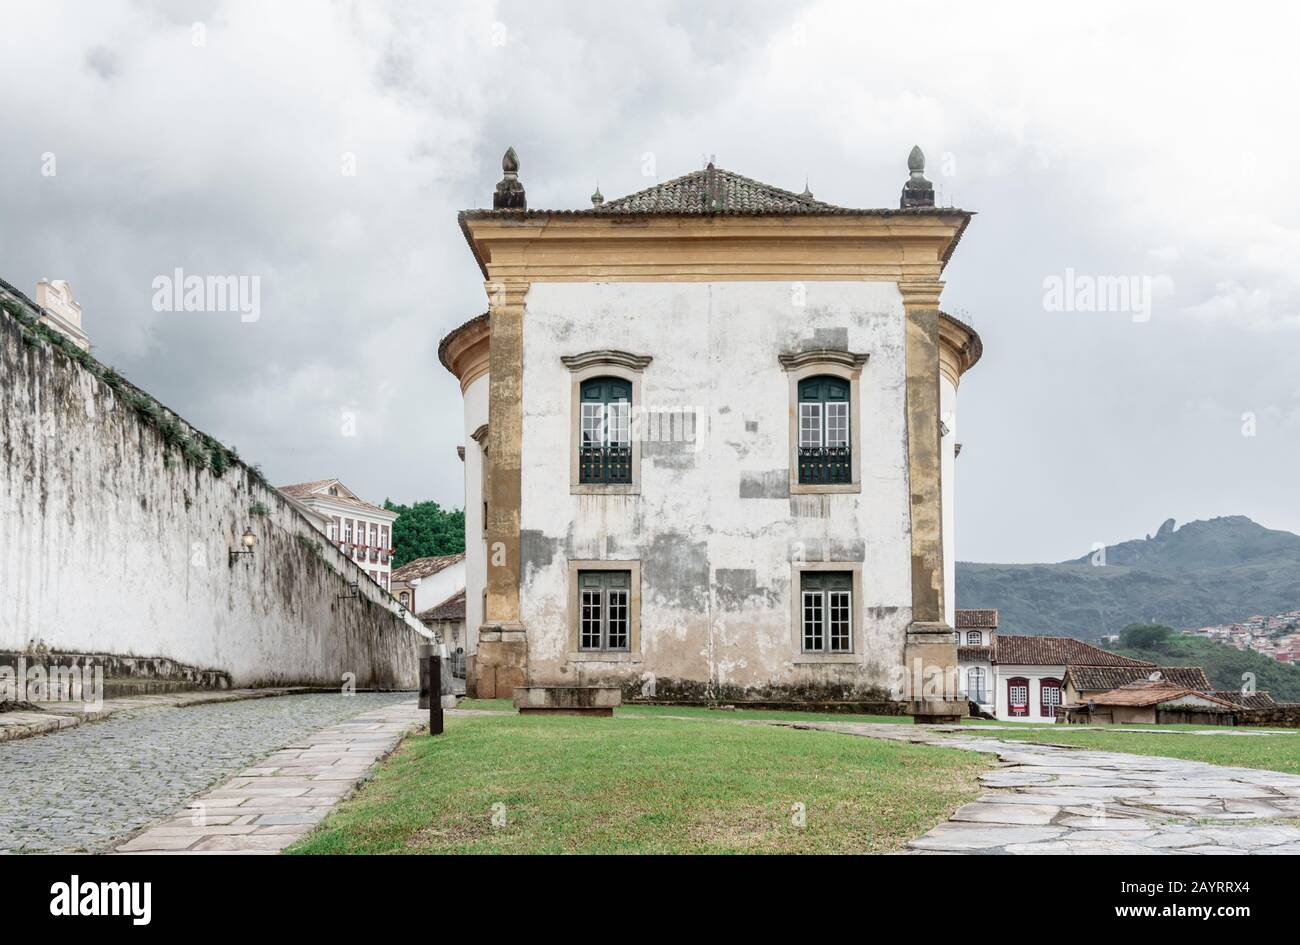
(476, 414)
(714, 526)
(109, 550)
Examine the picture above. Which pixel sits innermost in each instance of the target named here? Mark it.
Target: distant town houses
(1277, 636)
(361, 530)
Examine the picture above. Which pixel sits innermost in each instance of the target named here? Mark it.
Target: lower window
(827, 611)
(1049, 697)
(604, 615)
(1018, 696)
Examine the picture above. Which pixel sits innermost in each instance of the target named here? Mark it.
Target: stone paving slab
(267, 807)
(1051, 799)
(53, 716)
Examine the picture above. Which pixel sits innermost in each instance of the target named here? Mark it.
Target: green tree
(1146, 636)
(424, 529)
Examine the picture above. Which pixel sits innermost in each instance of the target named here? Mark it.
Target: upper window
(825, 452)
(974, 638)
(605, 425)
(827, 611)
(604, 610)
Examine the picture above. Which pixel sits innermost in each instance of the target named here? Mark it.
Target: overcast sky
(1126, 140)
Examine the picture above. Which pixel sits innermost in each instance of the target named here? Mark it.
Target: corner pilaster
(930, 651)
(501, 663)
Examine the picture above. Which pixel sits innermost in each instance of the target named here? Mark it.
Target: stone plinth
(568, 700)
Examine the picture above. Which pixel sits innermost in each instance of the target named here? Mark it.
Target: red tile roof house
(1020, 678)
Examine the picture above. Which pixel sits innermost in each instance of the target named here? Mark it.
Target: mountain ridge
(1209, 571)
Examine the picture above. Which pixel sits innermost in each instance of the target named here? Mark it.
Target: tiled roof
(1058, 651)
(453, 608)
(714, 190)
(1151, 693)
(976, 619)
(309, 490)
(301, 490)
(975, 654)
(1103, 678)
(426, 567)
(1261, 699)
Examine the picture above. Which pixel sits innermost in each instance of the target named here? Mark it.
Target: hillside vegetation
(1225, 665)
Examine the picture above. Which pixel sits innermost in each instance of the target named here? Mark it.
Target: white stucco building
(707, 457)
(361, 530)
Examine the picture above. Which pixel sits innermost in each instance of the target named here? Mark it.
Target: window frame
(1045, 685)
(620, 365)
(978, 635)
(980, 673)
(577, 652)
(1016, 682)
(845, 366)
(854, 653)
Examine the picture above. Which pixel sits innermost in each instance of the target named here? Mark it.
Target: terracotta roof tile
(975, 619)
(975, 654)
(426, 567)
(1260, 699)
(453, 608)
(1148, 693)
(1057, 651)
(1104, 678)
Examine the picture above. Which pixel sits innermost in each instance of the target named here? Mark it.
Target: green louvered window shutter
(605, 427)
(825, 453)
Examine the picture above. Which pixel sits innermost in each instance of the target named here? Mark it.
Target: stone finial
(917, 192)
(510, 194)
(597, 198)
(806, 192)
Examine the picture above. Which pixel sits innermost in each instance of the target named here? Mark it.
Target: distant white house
(1021, 678)
(361, 530)
(429, 582)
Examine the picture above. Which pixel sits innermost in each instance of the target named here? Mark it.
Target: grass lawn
(646, 784)
(1274, 752)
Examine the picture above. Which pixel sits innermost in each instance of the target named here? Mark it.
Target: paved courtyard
(1047, 799)
(82, 788)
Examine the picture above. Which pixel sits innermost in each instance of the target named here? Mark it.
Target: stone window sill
(605, 488)
(813, 659)
(596, 656)
(803, 488)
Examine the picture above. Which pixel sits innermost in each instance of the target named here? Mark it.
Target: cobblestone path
(81, 788)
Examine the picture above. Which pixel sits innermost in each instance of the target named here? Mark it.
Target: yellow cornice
(959, 347)
(541, 248)
(465, 351)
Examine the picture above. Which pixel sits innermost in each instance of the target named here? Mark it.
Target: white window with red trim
(1049, 697)
(1018, 697)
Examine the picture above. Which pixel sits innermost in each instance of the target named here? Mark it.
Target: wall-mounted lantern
(248, 540)
(353, 592)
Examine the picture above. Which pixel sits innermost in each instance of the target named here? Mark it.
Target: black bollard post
(435, 695)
